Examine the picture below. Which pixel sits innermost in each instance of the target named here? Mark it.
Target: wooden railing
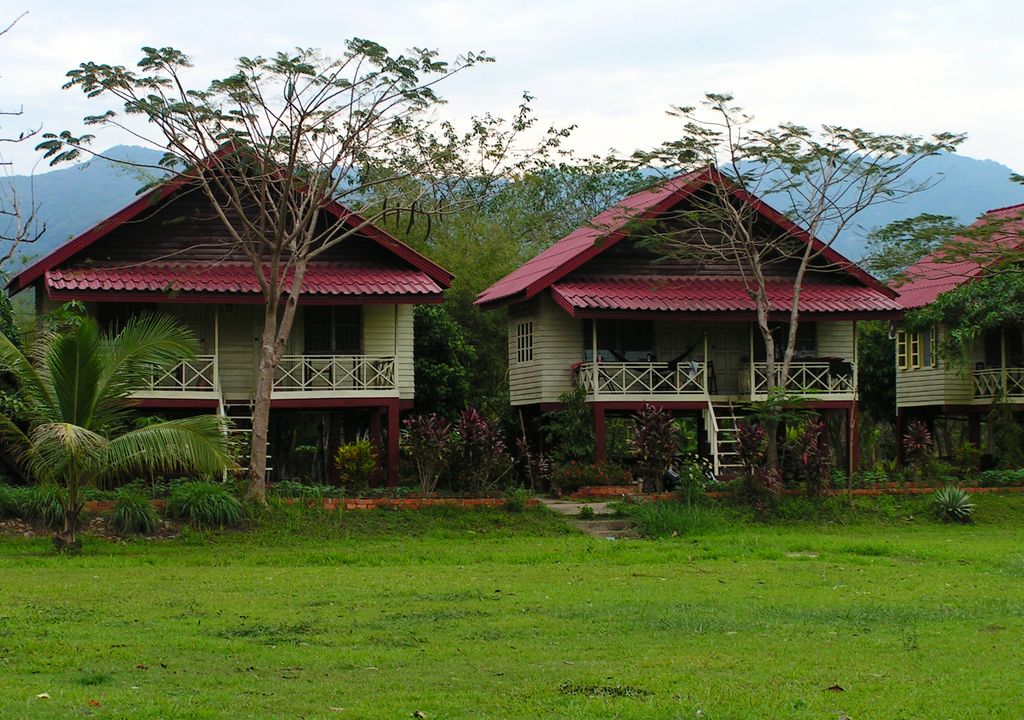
(335, 373)
(610, 379)
(991, 383)
(196, 375)
(808, 378)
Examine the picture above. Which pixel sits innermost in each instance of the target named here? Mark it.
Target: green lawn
(489, 615)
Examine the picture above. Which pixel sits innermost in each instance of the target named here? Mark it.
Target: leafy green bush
(133, 512)
(586, 513)
(569, 431)
(44, 504)
(356, 462)
(205, 505)
(952, 504)
(1000, 478)
(573, 476)
(516, 499)
(294, 489)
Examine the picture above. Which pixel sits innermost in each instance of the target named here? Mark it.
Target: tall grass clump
(44, 504)
(205, 505)
(665, 519)
(8, 502)
(133, 512)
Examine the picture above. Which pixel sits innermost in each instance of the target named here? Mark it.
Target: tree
(17, 219)
(443, 359)
(496, 233)
(76, 389)
(821, 179)
(274, 142)
(893, 248)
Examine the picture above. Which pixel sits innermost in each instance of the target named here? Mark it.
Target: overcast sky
(612, 68)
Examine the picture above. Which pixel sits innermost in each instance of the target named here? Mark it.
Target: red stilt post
(377, 438)
(393, 432)
(853, 441)
(599, 433)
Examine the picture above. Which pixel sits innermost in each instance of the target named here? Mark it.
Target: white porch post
(216, 348)
(707, 390)
(856, 365)
(1002, 358)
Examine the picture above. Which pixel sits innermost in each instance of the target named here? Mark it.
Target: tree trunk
(272, 346)
(67, 539)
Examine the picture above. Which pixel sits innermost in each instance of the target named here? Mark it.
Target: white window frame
(524, 342)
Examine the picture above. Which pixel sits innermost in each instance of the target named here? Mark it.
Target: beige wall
(939, 385)
(558, 343)
(387, 330)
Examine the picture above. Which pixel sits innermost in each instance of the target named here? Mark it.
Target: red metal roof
(233, 278)
(605, 230)
(931, 276)
(713, 294)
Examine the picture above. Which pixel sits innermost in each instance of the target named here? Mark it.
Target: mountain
(73, 199)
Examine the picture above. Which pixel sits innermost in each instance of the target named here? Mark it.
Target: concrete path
(617, 529)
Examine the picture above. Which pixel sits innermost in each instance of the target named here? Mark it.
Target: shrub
(570, 430)
(483, 458)
(293, 489)
(952, 504)
(586, 513)
(205, 505)
(133, 512)
(965, 461)
(356, 462)
(761, 482)
(536, 466)
(695, 474)
(1000, 478)
(427, 441)
(517, 499)
(919, 446)
(571, 477)
(44, 504)
(654, 443)
(807, 458)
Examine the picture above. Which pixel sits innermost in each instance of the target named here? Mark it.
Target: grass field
(483, 614)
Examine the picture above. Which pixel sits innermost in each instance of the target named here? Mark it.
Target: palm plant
(76, 390)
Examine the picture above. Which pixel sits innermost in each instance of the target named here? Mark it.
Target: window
(929, 347)
(901, 350)
(916, 349)
(524, 342)
(333, 330)
(619, 340)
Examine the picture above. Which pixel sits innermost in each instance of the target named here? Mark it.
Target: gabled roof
(166, 190)
(922, 282)
(695, 294)
(321, 279)
(611, 226)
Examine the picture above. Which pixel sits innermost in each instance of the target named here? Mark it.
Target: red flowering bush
(572, 476)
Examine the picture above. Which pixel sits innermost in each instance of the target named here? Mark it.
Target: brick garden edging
(598, 491)
(411, 503)
(604, 491)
